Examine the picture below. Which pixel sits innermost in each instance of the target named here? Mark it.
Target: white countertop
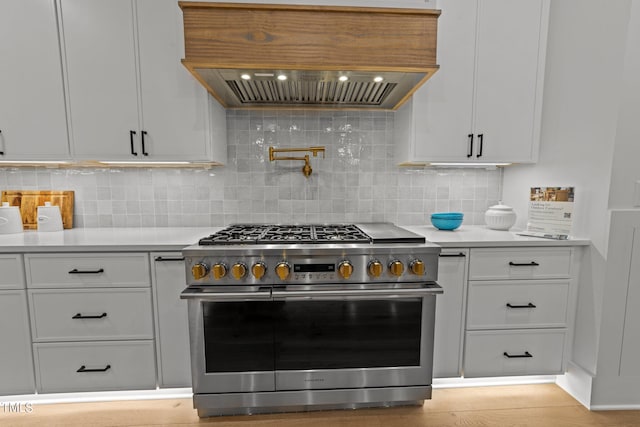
(476, 236)
(105, 239)
(176, 238)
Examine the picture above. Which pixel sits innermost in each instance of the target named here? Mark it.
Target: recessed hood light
(378, 79)
(282, 77)
(343, 78)
(245, 77)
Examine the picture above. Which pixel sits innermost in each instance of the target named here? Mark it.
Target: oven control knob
(345, 269)
(199, 271)
(219, 271)
(282, 270)
(258, 270)
(238, 270)
(375, 268)
(396, 267)
(417, 267)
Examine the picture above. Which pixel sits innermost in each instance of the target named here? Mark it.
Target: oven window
(348, 334)
(238, 336)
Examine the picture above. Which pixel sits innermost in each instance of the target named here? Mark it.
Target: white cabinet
(449, 326)
(518, 311)
(92, 320)
(484, 104)
(172, 324)
(129, 96)
(16, 363)
(33, 123)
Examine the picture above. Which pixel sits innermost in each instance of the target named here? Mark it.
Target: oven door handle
(430, 289)
(226, 296)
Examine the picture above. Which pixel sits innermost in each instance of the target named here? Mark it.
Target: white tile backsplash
(357, 180)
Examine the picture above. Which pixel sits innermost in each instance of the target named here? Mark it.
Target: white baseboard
(100, 396)
(492, 381)
(578, 383)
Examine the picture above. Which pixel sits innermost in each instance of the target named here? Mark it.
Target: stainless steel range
(306, 317)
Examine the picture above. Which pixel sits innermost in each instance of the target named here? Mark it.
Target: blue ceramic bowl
(447, 220)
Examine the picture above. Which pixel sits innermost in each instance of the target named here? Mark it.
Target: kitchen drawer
(87, 270)
(488, 309)
(61, 314)
(12, 269)
(520, 263)
(117, 365)
(485, 353)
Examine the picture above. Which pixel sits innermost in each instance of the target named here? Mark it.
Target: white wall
(586, 50)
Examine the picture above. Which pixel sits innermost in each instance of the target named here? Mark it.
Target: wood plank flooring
(523, 406)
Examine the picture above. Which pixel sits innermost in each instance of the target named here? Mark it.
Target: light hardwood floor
(523, 406)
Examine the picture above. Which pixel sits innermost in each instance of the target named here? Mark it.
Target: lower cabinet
(518, 311)
(92, 321)
(16, 364)
(95, 366)
(172, 323)
(449, 326)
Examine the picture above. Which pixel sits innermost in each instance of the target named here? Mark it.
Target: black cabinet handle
(80, 316)
(131, 135)
(523, 264)
(517, 356)
(84, 369)
(144, 151)
(76, 271)
(470, 152)
(461, 254)
(530, 305)
(480, 143)
(1, 152)
(161, 259)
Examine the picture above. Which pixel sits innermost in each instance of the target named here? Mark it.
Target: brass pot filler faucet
(306, 169)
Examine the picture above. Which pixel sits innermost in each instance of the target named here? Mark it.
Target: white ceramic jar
(49, 218)
(10, 219)
(500, 217)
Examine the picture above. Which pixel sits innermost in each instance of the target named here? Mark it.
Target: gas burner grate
(286, 234)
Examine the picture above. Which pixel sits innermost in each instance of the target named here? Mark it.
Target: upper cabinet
(484, 105)
(130, 98)
(33, 124)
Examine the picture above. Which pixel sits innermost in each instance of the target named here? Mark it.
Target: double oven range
(304, 317)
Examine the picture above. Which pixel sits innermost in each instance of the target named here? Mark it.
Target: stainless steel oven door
(354, 338)
(231, 340)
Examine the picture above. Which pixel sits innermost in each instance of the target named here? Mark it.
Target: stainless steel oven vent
(311, 92)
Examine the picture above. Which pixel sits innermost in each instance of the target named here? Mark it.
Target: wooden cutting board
(29, 200)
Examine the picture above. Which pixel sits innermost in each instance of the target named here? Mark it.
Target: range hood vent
(258, 56)
(311, 92)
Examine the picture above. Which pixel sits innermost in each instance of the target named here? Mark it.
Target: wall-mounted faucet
(306, 169)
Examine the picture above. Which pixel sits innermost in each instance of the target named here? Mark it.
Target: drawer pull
(461, 254)
(530, 305)
(523, 264)
(517, 356)
(160, 258)
(80, 316)
(84, 369)
(76, 271)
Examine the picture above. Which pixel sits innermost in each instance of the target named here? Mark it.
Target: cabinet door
(99, 39)
(174, 104)
(447, 348)
(16, 367)
(172, 324)
(443, 106)
(33, 123)
(511, 41)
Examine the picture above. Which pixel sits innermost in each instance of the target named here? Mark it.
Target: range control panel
(358, 268)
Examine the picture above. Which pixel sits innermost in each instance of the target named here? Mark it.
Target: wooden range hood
(264, 56)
